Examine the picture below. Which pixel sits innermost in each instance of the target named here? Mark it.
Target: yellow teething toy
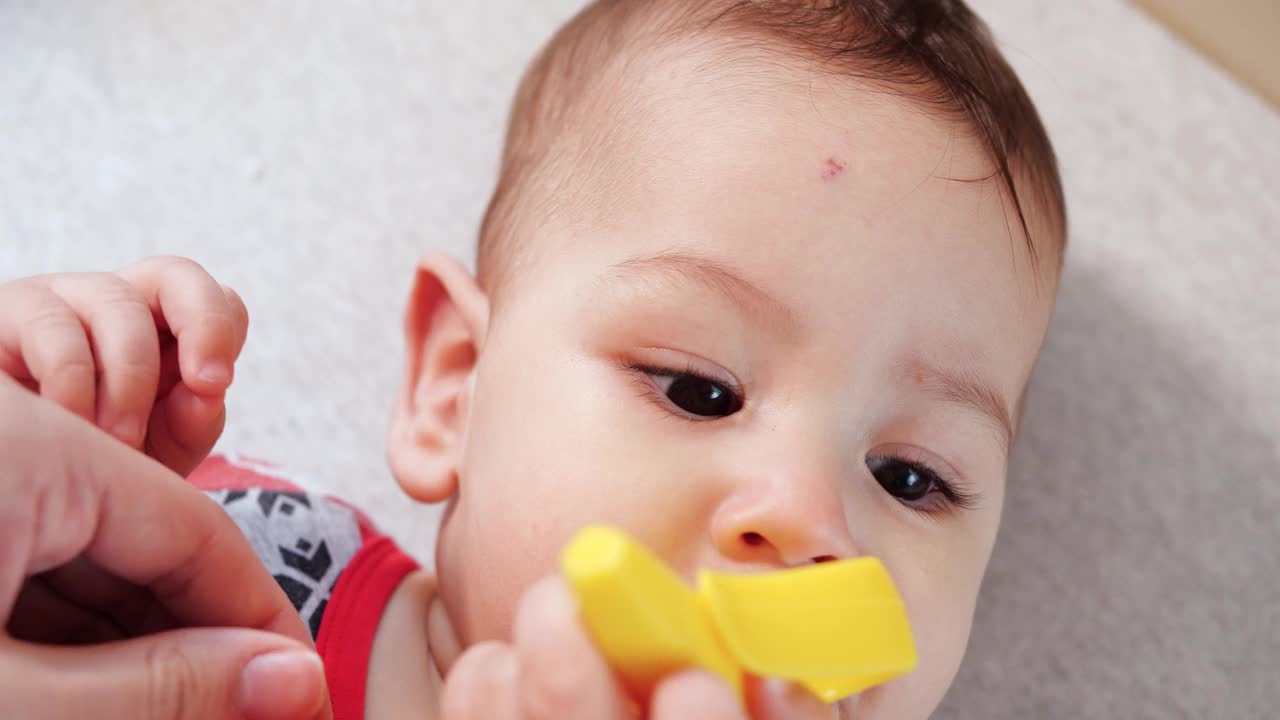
(837, 628)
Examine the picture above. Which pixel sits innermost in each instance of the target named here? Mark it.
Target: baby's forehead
(647, 89)
(762, 135)
(766, 148)
(737, 142)
(731, 160)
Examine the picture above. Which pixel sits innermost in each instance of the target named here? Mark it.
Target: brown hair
(936, 52)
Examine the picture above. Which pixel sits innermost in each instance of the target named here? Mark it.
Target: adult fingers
(43, 341)
(701, 694)
(186, 300)
(70, 490)
(42, 615)
(696, 693)
(484, 684)
(562, 674)
(180, 675)
(129, 607)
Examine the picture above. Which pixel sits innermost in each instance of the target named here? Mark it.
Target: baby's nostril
(752, 538)
(824, 558)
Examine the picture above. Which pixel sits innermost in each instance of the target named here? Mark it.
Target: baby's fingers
(184, 426)
(125, 346)
(484, 685)
(562, 674)
(43, 343)
(208, 321)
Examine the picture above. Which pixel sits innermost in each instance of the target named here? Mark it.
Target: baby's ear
(444, 326)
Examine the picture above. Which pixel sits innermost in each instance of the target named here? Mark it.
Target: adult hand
(99, 541)
(552, 670)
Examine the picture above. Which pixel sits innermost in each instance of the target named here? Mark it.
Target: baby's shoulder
(360, 595)
(404, 681)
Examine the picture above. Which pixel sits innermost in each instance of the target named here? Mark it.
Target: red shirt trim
(351, 619)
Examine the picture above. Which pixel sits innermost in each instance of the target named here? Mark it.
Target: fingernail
(286, 684)
(216, 372)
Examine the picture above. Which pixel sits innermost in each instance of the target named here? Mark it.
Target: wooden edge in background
(1243, 36)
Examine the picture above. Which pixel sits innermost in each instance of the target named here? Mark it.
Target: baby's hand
(552, 670)
(145, 353)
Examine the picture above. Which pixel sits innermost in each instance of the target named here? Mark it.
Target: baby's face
(779, 335)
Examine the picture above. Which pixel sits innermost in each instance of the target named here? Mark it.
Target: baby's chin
(482, 605)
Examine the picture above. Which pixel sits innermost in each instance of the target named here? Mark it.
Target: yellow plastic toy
(837, 628)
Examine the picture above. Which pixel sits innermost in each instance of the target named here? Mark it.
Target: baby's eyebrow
(711, 274)
(964, 388)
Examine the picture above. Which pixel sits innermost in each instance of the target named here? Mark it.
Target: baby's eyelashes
(918, 486)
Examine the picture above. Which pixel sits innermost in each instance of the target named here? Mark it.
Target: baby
(762, 283)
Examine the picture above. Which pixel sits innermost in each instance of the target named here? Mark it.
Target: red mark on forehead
(832, 169)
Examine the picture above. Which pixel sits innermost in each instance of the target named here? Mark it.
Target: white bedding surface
(307, 153)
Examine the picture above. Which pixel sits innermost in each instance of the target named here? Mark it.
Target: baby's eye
(918, 486)
(906, 481)
(695, 394)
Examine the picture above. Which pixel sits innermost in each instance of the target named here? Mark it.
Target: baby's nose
(753, 539)
(782, 526)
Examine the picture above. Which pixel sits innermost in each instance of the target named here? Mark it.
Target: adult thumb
(190, 674)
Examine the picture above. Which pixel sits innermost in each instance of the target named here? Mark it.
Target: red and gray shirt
(331, 561)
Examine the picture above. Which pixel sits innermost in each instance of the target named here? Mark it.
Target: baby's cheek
(940, 606)
(946, 635)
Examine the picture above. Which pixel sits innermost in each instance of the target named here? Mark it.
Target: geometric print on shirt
(304, 539)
